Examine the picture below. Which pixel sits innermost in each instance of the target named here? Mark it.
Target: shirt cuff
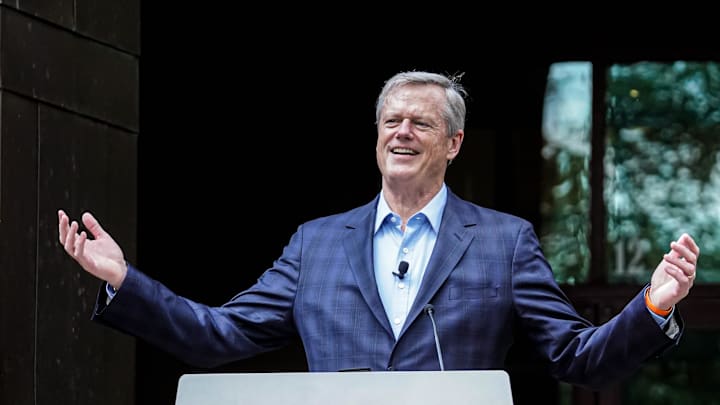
(110, 291)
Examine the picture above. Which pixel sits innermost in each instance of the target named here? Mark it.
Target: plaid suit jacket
(487, 280)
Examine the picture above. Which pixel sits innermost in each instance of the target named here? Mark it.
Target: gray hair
(454, 112)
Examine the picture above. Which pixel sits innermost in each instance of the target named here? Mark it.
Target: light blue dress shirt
(414, 246)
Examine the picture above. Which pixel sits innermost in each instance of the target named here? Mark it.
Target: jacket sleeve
(256, 320)
(579, 352)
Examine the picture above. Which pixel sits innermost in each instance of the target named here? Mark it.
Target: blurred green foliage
(661, 167)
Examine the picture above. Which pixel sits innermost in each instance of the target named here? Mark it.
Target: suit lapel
(358, 249)
(452, 242)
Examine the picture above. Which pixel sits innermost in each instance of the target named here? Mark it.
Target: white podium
(361, 388)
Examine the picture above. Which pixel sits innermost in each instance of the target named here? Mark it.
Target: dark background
(246, 133)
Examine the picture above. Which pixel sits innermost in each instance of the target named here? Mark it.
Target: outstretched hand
(674, 276)
(101, 256)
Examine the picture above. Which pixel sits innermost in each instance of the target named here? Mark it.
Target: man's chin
(398, 177)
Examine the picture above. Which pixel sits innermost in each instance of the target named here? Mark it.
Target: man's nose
(405, 127)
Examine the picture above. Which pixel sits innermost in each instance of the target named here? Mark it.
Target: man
(357, 287)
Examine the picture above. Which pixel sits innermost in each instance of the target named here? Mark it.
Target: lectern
(361, 388)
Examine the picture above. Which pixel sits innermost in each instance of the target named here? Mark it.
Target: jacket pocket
(473, 293)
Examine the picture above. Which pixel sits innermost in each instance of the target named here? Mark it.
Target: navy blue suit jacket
(487, 279)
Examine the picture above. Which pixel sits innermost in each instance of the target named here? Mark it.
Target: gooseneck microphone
(430, 310)
(402, 269)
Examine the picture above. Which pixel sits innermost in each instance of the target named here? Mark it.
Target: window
(565, 202)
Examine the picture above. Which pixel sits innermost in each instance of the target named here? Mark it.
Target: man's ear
(454, 144)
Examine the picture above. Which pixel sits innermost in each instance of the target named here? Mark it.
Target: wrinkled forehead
(422, 99)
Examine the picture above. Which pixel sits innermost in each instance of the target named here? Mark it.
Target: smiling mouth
(403, 151)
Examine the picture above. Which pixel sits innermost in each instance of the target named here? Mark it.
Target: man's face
(412, 146)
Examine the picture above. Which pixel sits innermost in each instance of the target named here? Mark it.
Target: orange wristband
(656, 310)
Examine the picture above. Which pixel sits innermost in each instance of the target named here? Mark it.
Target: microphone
(402, 269)
(430, 310)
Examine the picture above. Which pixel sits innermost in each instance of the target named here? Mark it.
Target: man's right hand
(101, 256)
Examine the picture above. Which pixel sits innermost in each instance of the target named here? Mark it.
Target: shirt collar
(433, 210)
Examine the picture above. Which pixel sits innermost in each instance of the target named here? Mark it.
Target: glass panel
(662, 165)
(688, 374)
(566, 157)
